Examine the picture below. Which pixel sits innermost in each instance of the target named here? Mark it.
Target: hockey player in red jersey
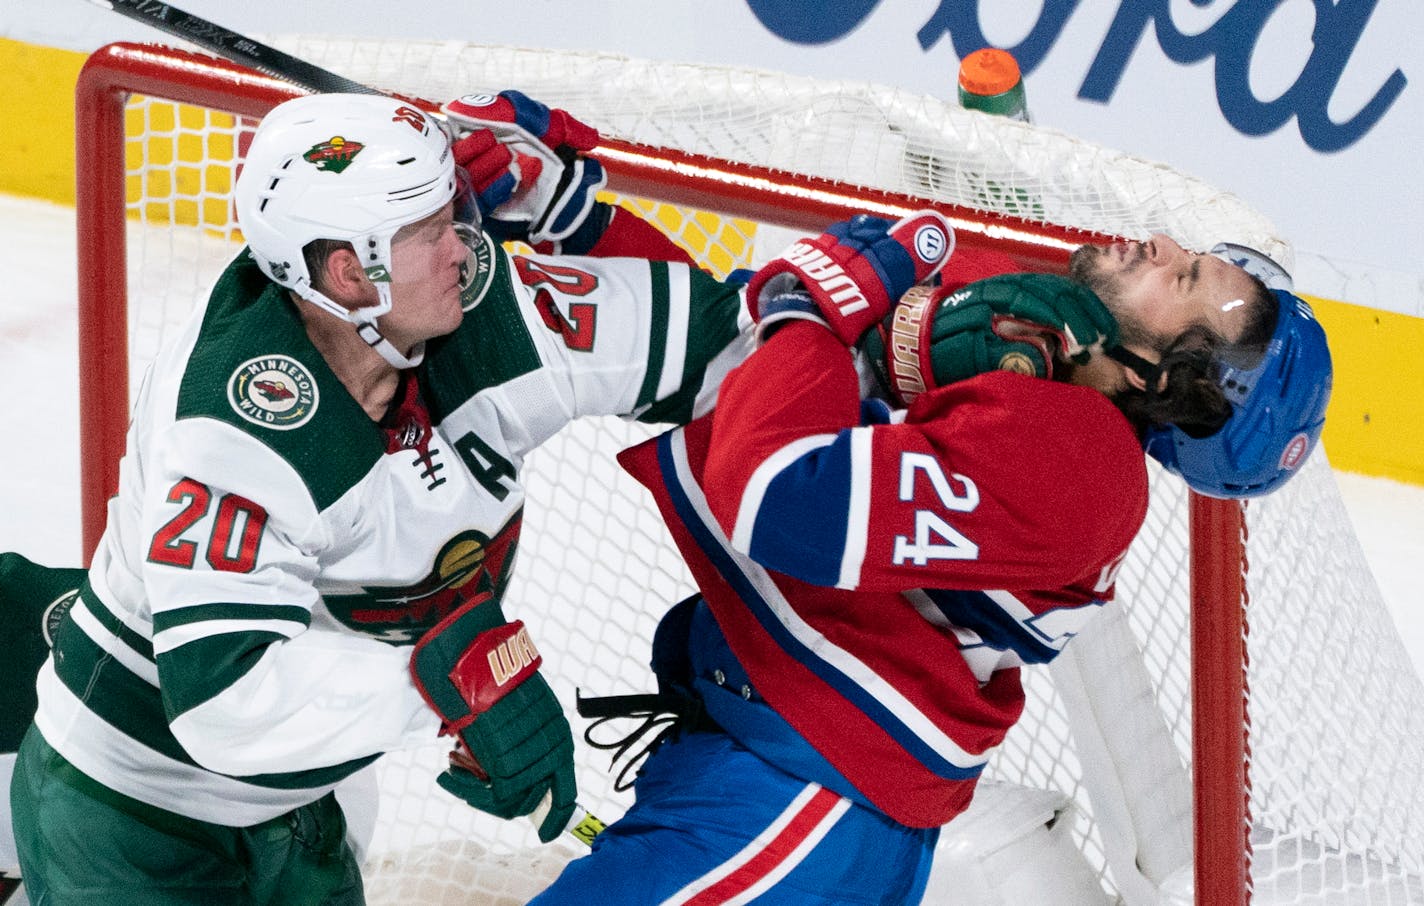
(872, 578)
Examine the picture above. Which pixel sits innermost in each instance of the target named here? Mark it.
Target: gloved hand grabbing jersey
(515, 750)
(1012, 322)
(531, 180)
(849, 277)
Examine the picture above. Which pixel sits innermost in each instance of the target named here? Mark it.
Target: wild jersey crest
(274, 391)
(54, 613)
(470, 565)
(478, 274)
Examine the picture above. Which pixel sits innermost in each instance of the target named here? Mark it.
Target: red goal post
(1215, 680)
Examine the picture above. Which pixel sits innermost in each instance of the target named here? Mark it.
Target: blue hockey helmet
(1278, 401)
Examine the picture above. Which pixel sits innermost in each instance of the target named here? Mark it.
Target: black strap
(1148, 371)
(670, 714)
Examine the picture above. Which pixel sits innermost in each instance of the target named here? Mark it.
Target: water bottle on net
(989, 80)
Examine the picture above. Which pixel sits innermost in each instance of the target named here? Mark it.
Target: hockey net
(1250, 699)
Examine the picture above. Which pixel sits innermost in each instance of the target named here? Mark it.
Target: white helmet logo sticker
(333, 155)
(274, 391)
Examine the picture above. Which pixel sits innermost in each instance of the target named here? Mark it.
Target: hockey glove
(493, 169)
(1013, 322)
(514, 754)
(554, 183)
(850, 275)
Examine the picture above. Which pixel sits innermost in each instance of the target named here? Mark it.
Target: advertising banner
(1310, 110)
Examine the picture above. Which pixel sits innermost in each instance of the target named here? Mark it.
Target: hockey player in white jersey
(319, 506)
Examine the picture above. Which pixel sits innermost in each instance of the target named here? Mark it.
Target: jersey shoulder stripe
(806, 509)
(702, 322)
(787, 530)
(660, 304)
(253, 367)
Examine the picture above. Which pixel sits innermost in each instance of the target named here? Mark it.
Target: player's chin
(452, 306)
(452, 315)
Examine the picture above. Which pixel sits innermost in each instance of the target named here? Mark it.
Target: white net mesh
(1334, 707)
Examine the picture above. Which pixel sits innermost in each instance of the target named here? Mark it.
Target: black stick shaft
(235, 47)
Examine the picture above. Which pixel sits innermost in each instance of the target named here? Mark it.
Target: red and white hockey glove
(515, 750)
(554, 182)
(849, 276)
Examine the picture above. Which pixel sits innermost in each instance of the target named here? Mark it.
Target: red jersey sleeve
(1001, 481)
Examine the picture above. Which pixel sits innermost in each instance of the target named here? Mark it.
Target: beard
(1087, 265)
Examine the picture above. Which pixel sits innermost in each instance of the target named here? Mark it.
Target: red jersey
(882, 583)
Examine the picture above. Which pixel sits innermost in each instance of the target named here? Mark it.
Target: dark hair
(1191, 397)
(316, 253)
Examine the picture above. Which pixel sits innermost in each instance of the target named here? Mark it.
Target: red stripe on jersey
(762, 858)
(851, 740)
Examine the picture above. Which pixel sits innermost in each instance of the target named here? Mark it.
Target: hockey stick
(235, 47)
(229, 45)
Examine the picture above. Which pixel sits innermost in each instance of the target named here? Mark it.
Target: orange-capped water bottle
(989, 80)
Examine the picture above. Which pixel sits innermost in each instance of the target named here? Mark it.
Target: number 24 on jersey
(934, 538)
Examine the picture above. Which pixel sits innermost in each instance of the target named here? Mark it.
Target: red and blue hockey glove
(849, 276)
(515, 750)
(554, 183)
(494, 171)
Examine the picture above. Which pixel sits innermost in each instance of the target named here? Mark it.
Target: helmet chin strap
(373, 337)
(365, 321)
(1148, 371)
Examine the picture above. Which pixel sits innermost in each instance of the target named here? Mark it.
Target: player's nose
(1163, 249)
(454, 245)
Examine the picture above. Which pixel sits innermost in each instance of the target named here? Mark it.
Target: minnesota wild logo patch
(54, 614)
(334, 155)
(477, 273)
(274, 391)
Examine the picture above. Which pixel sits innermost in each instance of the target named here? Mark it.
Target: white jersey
(243, 642)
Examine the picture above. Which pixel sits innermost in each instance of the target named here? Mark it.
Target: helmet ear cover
(1278, 401)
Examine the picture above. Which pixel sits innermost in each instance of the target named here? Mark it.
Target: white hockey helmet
(351, 167)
